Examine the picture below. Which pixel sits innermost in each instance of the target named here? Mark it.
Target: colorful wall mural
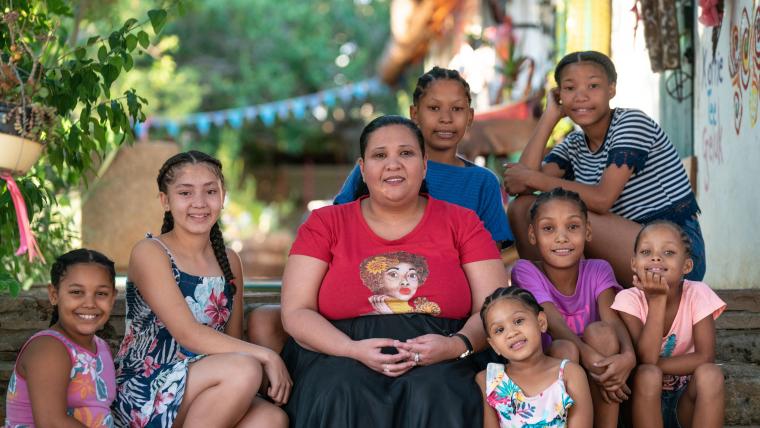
(727, 143)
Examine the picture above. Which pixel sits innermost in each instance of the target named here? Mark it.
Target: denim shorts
(692, 229)
(669, 407)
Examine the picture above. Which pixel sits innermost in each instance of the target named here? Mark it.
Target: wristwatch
(467, 344)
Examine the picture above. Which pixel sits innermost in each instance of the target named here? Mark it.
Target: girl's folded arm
(558, 329)
(576, 382)
(704, 351)
(46, 367)
(533, 153)
(610, 316)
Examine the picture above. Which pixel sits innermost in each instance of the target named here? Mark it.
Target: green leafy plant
(56, 88)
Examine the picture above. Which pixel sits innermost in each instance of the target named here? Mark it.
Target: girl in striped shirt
(621, 163)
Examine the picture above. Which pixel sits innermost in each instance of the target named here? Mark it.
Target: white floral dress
(151, 367)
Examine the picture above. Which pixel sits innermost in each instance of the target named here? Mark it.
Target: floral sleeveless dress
(151, 367)
(516, 410)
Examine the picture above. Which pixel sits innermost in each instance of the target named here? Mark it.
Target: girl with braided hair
(182, 362)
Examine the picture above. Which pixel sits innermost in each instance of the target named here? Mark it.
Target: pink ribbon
(27, 242)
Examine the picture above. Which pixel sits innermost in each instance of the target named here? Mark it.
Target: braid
(561, 194)
(168, 222)
(438, 73)
(511, 292)
(166, 176)
(220, 251)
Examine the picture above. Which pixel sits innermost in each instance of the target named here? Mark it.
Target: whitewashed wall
(637, 86)
(727, 145)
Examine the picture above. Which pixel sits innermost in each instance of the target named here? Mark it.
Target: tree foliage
(67, 65)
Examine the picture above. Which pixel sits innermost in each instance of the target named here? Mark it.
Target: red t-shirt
(418, 273)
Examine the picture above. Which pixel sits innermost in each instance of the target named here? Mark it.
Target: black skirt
(341, 392)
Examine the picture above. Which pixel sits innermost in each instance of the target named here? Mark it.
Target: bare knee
(708, 379)
(245, 373)
(273, 416)
(564, 350)
(263, 323)
(601, 336)
(647, 381)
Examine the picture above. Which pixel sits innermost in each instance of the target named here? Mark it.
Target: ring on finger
(385, 368)
(416, 358)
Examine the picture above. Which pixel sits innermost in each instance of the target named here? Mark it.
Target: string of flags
(267, 112)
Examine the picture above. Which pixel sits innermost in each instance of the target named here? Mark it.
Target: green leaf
(102, 112)
(128, 24)
(114, 40)
(102, 54)
(9, 283)
(128, 61)
(116, 61)
(109, 73)
(131, 42)
(144, 39)
(58, 7)
(157, 19)
(132, 104)
(91, 41)
(80, 53)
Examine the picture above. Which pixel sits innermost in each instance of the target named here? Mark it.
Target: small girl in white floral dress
(533, 389)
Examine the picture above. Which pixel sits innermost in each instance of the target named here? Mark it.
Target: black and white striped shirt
(658, 187)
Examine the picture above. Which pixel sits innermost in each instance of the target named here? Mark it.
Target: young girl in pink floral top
(66, 373)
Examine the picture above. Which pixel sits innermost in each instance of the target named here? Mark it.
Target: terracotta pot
(18, 154)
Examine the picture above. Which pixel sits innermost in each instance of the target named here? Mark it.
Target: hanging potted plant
(56, 101)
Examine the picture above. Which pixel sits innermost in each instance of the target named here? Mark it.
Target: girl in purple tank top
(577, 296)
(66, 372)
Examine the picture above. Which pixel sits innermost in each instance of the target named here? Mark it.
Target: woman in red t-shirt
(381, 297)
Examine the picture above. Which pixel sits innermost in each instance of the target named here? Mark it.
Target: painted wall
(727, 145)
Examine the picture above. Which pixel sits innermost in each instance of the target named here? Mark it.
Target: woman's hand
(378, 303)
(369, 352)
(432, 348)
(280, 383)
(516, 177)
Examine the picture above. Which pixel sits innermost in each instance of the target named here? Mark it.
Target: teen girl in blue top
(621, 163)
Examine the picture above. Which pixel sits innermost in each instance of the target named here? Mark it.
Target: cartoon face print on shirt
(394, 279)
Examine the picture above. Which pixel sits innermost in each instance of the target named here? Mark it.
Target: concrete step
(742, 392)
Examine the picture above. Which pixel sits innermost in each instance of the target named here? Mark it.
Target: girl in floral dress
(182, 362)
(65, 374)
(533, 389)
